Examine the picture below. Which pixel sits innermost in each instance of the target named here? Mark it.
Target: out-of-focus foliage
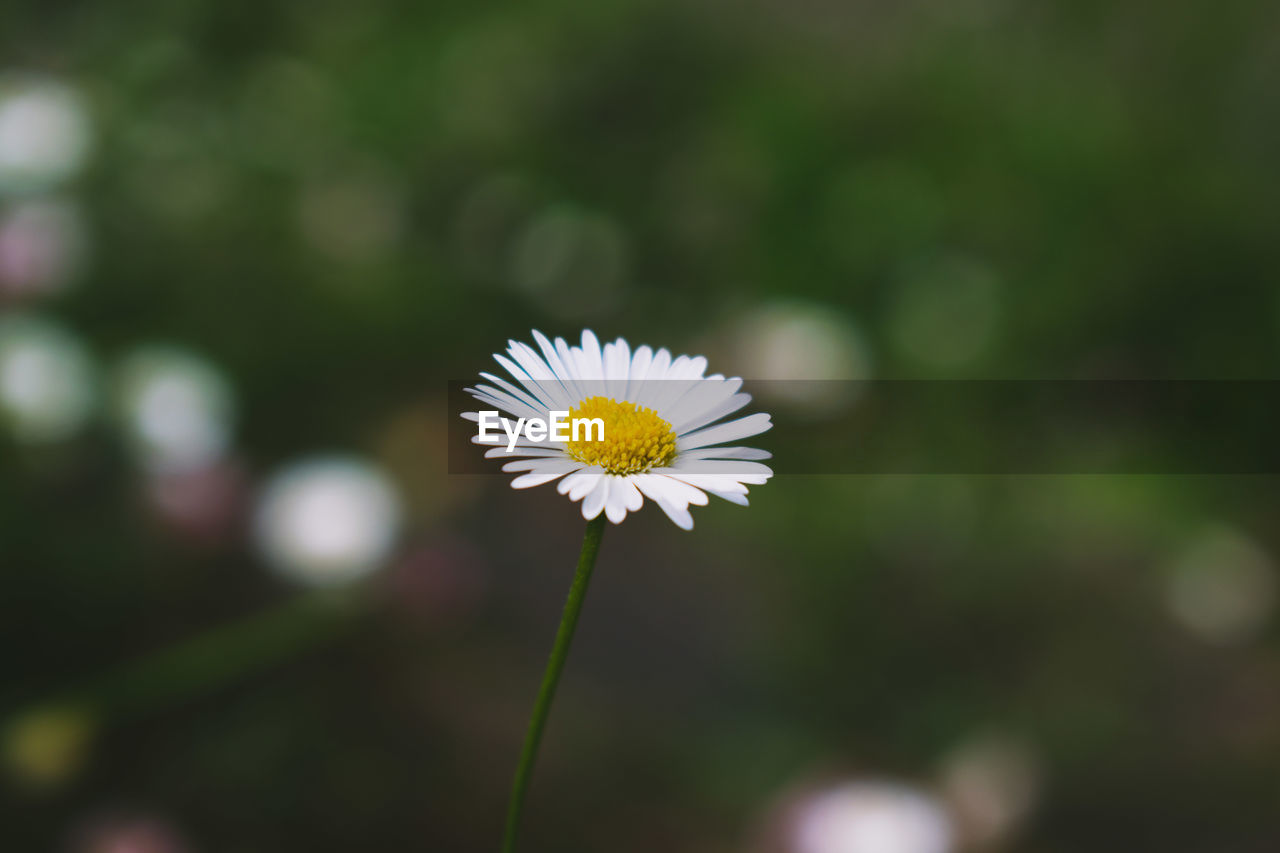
(304, 219)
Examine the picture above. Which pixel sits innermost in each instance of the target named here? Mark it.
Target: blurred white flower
(45, 133)
(176, 408)
(871, 816)
(327, 520)
(810, 357)
(1222, 587)
(47, 381)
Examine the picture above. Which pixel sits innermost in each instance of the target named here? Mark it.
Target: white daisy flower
(663, 427)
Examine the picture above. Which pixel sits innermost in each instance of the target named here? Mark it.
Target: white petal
(523, 450)
(590, 362)
(676, 493)
(723, 409)
(659, 366)
(707, 400)
(680, 515)
(514, 406)
(535, 478)
(549, 384)
(632, 499)
(519, 449)
(679, 491)
(536, 388)
(731, 431)
(640, 362)
(520, 393)
(564, 466)
(596, 499)
(725, 453)
(596, 387)
(617, 368)
(665, 395)
(616, 506)
(718, 485)
(568, 357)
(554, 359)
(579, 483)
(529, 361)
(724, 486)
(656, 492)
(687, 367)
(736, 468)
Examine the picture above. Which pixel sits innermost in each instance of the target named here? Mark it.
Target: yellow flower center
(635, 438)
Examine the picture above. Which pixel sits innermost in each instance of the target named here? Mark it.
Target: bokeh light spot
(1222, 587)
(872, 817)
(47, 381)
(176, 407)
(807, 351)
(45, 133)
(327, 521)
(46, 746)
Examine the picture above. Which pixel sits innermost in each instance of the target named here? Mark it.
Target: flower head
(659, 426)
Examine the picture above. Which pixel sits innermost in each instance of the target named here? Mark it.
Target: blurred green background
(243, 248)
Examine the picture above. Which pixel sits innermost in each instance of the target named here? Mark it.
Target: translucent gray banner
(1183, 427)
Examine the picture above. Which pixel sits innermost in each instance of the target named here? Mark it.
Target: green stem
(547, 692)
